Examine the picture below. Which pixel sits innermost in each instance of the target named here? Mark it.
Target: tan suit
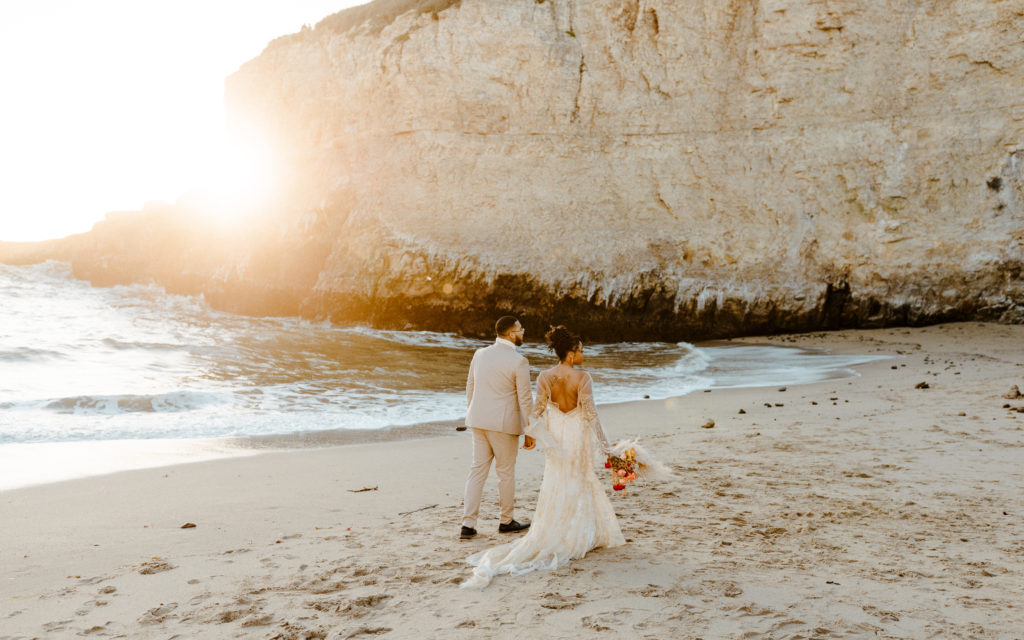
(499, 403)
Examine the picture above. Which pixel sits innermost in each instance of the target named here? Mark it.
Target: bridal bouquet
(628, 461)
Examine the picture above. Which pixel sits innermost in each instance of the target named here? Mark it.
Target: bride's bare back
(563, 386)
(569, 388)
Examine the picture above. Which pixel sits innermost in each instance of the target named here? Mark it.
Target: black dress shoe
(467, 533)
(513, 526)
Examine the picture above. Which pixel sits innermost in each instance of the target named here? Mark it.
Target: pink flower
(622, 473)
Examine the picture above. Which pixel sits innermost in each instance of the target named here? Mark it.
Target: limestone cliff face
(645, 168)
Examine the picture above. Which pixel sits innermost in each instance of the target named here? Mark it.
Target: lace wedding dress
(573, 512)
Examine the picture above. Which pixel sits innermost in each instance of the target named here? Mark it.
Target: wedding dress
(573, 512)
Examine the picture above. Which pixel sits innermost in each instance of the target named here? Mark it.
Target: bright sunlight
(113, 103)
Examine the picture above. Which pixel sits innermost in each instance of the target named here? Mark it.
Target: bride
(573, 512)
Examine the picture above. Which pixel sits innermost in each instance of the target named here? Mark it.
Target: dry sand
(855, 508)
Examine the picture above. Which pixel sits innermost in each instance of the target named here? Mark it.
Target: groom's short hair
(503, 324)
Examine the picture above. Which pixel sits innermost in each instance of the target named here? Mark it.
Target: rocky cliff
(635, 168)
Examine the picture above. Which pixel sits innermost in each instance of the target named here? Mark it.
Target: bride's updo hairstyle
(561, 341)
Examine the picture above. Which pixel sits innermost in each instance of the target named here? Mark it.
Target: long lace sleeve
(543, 397)
(537, 427)
(589, 410)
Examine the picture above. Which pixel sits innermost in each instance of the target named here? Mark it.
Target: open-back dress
(573, 512)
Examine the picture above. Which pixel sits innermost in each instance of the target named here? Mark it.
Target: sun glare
(244, 179)
(114, 103)
(239, 182)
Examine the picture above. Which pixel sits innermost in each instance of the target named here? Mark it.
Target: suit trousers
(502, 448)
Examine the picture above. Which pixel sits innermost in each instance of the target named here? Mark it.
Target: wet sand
(868, 507)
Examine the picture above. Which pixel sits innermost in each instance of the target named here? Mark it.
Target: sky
(109, 104)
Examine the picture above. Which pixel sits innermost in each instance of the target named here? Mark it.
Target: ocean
(96, 372)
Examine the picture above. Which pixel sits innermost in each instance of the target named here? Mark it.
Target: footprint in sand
(788, 622)
(155, 566)
(157, 615)
(361, 631)
(92, 580)
(229, 616)
(356, 608)
(751, 609)
(885, 616)
(558, 601)
(258, 621)
(294, 631)
(731, 590)
(56, 626)
(362, 606)
(104, 629)
(597, 623)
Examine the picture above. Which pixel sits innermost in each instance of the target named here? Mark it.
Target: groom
(499, 398)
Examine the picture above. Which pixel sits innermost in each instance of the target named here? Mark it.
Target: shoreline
(27, 464)
(855, 507)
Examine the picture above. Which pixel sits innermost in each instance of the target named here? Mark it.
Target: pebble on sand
(921, 385)
(710, 424)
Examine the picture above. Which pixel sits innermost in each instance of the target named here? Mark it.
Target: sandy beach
(870, 507)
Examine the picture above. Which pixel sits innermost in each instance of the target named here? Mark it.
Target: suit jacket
(498, 390)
